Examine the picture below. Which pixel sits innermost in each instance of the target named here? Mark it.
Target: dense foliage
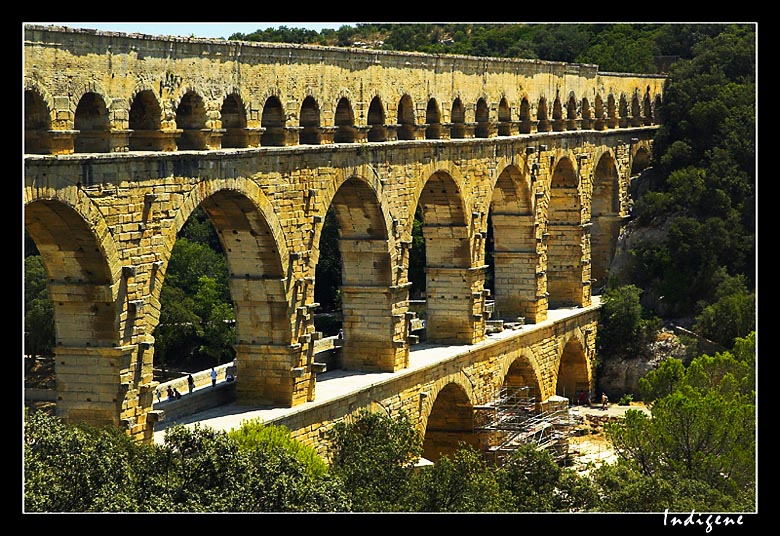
(634, 48)
(701, 436)
(704, 156)
(70, 468)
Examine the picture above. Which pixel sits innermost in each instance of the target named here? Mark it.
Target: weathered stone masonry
(127, 135)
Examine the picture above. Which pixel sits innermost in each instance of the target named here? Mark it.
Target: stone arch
(255, 221)
(605, 216)
(37, 119)
(376, 120)
(447, 232)
(448, 419)
(433, 130)
(309, 122)
(84, 281)
(369, 327)
(511, 242)
(33, 85)
(641, 158)
(274, 121)
(482, 118)
(406, 120)
(523, 371)
(458, 119)
(574, 370)
(565, 240)
(191, 117)
(524, 116)
(233, 118)
(344, 121)
(93, 125)
(145, 120)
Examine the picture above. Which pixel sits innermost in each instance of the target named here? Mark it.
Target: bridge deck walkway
(336, 384)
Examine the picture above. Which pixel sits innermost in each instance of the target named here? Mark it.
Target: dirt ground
(590, 451)
(592, 448)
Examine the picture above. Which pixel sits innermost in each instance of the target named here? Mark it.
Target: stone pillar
(604, 235)
(103, 386)
(327, 134)
(361, 133)
(516, 264)
(273, 374)
(455, 305)
(515, 284)
(168, 139)
(509, 128)
(565, 274)
(262, 311)
(61, 141)
(375, 328)
(253, 136)
(213, 138)
(119, 140)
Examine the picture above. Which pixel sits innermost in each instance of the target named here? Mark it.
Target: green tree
(375, 456)
(534, 482)
(465, 483)
(39, 330)
(253, 434)
(702, 431)
(732, 315)
(68, 468)
(706, 149)
(663, 381)
(623, 330)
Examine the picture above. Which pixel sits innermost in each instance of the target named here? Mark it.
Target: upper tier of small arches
(192, 127)
(97, 92)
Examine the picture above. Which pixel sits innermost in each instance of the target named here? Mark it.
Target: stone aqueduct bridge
(126, 135)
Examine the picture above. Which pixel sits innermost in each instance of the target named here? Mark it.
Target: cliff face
(618, 377)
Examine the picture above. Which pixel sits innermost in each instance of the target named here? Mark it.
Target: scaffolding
(515, 418)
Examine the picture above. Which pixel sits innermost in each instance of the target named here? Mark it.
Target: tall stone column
(373, 336)
(103, 386)
(272, 374)
(270, 362)
(566, 274)
(455, 304)
(516, 266)
(515, 284)
(375, 328)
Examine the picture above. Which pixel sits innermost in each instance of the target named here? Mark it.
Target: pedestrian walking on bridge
(213, 376)
(190, 383)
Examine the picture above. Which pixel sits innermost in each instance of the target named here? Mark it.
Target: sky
(198, 29)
